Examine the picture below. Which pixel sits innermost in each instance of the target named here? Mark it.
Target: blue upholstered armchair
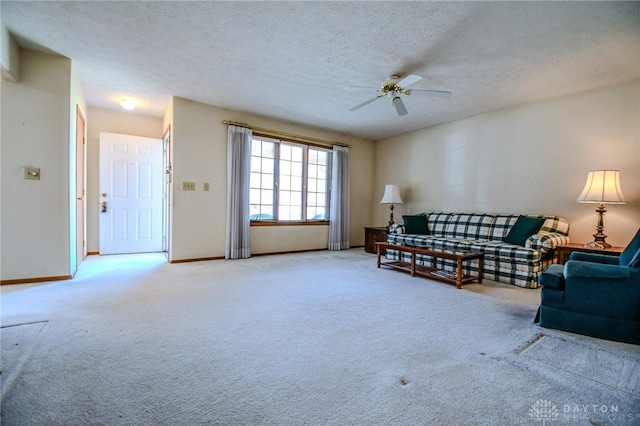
(595, 295)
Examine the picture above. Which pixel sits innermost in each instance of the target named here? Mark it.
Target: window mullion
(305, 182)
(329, 179)
(276, 182)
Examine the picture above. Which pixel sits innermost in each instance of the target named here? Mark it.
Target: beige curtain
(339, 212)
(238, 172)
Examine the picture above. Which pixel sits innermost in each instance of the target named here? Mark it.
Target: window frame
(305, 183)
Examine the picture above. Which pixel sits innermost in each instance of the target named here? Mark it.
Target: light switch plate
(32, 173)
(205, 186)
(188, 186)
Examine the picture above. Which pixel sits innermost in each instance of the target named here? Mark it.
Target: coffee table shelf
(458, 277)
(400, 266)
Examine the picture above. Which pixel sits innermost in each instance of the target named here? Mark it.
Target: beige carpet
(320, 338)
(610, 368)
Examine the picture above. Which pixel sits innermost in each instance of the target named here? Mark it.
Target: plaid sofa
(503, 262)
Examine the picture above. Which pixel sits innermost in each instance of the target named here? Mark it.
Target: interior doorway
(131, 194)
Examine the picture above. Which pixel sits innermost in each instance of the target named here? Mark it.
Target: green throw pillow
(523, 229)
(415, 224)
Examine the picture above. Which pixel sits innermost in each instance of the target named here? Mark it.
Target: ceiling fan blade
(436, 93)
(365, 103)
(361, 87)
(399, 105)
(408, 80)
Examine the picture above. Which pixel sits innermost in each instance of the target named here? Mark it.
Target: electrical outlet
(205, 186)
(32, 173)
(188, 186)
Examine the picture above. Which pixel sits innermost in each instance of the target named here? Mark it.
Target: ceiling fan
(393, 86)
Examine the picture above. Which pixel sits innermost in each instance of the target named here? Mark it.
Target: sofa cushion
(507, 252)
(437, 222)
(412, 240)
(453, 244)
(501, 225)
(469, 226)
(523, 229)
(433, 242)
(415, 224)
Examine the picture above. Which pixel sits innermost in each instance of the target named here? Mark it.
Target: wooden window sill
(288, 223)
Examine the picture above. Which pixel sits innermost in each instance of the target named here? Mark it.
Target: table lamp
(602, 187)
(391, 196)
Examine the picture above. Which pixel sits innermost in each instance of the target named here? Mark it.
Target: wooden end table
(458, 278)
(373, 235)
(565, 250)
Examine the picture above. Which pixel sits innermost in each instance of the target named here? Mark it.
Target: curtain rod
(286, 134)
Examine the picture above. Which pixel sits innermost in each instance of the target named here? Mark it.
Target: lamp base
(391, 222)
(599, 237)
(597, 245)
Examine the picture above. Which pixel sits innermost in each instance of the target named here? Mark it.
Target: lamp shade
(603, 186)
(391, 195)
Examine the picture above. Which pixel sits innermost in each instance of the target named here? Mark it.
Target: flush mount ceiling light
(128, 103)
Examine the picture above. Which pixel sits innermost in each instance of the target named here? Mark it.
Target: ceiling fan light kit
(399, 106)
(394, 86)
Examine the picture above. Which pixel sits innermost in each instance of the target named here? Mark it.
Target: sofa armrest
(594, 257)
(580, 269)
(545, 241)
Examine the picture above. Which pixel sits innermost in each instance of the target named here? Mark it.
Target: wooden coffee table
(458, 277)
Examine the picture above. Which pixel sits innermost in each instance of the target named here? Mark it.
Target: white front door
(130, 194)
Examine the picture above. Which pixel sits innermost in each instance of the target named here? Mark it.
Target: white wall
(198, 155)
(101, 120)
(35, 132)
(199, 152)
(529, 159)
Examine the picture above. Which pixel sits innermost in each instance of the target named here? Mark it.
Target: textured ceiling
(293, 60)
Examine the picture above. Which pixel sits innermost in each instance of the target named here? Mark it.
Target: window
(289, 181)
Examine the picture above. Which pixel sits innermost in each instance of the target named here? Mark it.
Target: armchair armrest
(580, 269)
(594, 257)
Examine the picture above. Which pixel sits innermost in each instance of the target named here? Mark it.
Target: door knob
(104, 207)
(104, 194)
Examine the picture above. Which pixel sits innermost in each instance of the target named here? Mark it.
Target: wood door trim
(80, 242)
